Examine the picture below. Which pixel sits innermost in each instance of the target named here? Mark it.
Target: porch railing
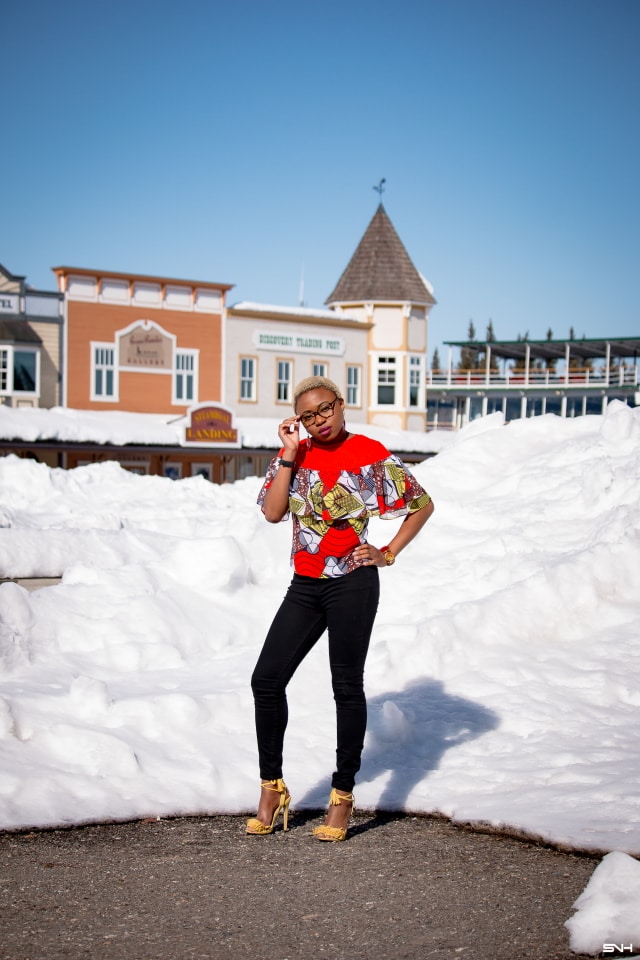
(572, 377)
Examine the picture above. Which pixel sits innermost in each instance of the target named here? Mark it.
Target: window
(553, 405)
(173, 471)
(594, 405)
(4, 369)
(204, 470)
(441, 414)
(184, 379)
(284, 381)
(103, 372)
(386, 380)
(318, 370)
(513, 410)
(247, 378)
(24, 371)
(415, 381)
(353, 386)
(475, 408)
(534, 406)
(19, 370)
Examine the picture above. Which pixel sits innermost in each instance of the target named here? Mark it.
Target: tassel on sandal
(256, 827)
(325, 832)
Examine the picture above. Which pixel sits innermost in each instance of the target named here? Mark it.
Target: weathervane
(380, 187)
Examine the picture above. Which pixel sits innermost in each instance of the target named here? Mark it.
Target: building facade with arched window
(140, 343)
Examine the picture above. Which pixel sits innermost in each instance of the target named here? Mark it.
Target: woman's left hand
(369, 555)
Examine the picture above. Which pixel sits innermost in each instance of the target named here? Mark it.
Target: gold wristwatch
(389, 557)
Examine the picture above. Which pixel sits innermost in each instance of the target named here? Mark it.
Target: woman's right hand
(289, 433)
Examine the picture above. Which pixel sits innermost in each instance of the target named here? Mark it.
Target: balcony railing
(623, 376)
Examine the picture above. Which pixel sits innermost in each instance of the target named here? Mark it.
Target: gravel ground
(400, 888)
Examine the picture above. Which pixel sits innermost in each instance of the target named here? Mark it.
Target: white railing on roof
(620, 376)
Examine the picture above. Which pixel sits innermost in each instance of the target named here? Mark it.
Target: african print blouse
(334, 490)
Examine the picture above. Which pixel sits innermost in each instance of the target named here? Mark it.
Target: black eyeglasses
(324, 410)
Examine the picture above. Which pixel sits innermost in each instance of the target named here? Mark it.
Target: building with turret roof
(371, 339)
(382, 287)
(381, 270)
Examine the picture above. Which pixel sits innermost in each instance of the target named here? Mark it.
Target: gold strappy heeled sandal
(326, 832)
(259, 829)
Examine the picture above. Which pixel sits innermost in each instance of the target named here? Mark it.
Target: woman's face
(326, 426)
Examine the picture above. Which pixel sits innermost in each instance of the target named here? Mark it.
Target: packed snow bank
(608, 910)
(503, 676)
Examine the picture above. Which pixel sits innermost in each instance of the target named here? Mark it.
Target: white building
(268, 349)
(530, 378)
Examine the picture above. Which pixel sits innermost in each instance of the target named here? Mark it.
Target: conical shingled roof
(380, 269)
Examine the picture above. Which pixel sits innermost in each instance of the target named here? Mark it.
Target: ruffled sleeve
(397, 490)
(272, 469)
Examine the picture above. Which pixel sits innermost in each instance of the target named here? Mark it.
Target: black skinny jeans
(345, 606)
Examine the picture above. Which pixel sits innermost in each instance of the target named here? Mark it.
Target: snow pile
(503, 677)
(608, 908)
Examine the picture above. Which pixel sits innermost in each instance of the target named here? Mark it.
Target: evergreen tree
(614, 369)
(519, 365)
(491, 339)
(550, 362)
(435, 362)
(580, 363)
(469, 357)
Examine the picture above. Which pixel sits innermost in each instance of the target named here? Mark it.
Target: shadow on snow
(408, 733)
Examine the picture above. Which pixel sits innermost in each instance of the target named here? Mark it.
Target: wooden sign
(211, 425)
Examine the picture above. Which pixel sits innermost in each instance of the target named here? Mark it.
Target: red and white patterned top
(334, 490)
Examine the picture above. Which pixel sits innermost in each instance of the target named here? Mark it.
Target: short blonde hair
(315, 383)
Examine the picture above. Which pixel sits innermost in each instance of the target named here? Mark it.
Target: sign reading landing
(211, 425)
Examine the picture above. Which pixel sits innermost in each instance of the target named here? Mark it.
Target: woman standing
(331, 483)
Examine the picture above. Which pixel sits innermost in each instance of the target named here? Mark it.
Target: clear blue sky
(240, 143)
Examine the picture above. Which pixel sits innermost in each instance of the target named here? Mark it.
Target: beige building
(30, 343)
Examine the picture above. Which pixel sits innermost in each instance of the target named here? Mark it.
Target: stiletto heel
(259, 829)
(326, 832)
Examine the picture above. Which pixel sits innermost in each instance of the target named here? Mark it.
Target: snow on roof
(121, 427)
(270, 309)
(427, 284)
